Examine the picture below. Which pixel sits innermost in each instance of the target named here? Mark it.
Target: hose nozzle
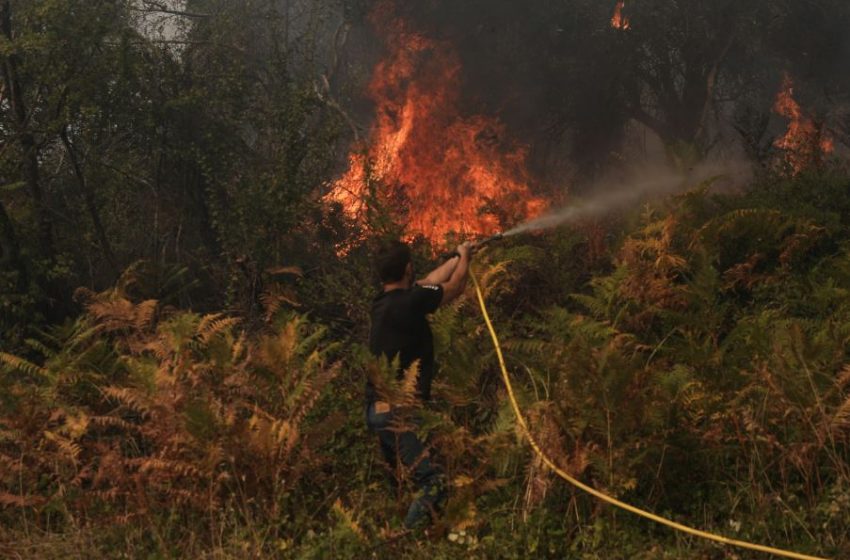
(489, 240)
(477, 245)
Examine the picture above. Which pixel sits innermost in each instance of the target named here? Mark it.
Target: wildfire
(805, 144)
(434, 170)
(619, 21)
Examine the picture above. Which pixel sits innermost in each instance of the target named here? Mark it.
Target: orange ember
(805, 143)
(436, 171)
(619, 21)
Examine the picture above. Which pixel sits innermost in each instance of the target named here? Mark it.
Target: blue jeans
(402, 444)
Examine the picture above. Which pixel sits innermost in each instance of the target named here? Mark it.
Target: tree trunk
(10, 250)
(26, 140)
(91, 207)
(198, 193)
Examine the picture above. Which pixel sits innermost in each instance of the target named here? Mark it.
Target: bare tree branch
(152, 7)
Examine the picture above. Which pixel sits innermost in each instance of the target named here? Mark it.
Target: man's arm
(456, 283)
(441, 274)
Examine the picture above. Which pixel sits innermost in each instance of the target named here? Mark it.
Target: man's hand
(455, 284)
(443, 273)
(465, 250)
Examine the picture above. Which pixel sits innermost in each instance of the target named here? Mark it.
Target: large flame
(435, 171)
(804, 144)
(618, 20)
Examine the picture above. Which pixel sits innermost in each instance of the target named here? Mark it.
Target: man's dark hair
(391, 261)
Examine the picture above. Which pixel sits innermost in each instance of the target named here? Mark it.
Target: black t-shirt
(400, 328)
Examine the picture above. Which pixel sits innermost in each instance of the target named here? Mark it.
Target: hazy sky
(158, 25)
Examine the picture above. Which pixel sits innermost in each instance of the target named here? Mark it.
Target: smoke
(582, 95)
(644, 184)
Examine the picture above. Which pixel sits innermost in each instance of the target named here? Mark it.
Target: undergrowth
(697, 367)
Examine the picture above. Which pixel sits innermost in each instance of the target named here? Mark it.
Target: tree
(20, 125)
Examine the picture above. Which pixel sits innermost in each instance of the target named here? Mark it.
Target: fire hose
(592, 491)
(477, 245)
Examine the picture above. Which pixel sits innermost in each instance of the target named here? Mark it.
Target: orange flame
(619, 21)
(434, 170)
(805, 144)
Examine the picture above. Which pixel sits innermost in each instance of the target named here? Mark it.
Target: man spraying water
(400, 330)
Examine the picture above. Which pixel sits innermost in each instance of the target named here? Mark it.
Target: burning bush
(436, 171)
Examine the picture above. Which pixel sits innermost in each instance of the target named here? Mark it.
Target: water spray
(644, 185)
(611, 197)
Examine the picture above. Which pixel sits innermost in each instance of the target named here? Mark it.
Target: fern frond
(274, 298)
(82, 335)
(492, 278)
(144, 314)
(309, 343)
(529, 346)
(214, 324)
(285, 270)
(408, 383)
(843, 379)
(152, 465)
(8, 435)
(239, 349)
(15, 500)
(721, 223)
(596, 306)
(311, 396)
(840, 422)
(130, 398)
(69, 447)
(347, 519)
(113, 422)
(24, 366)
(113, 314)
(40, 347)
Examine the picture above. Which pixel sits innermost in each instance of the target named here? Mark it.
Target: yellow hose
(596, 493)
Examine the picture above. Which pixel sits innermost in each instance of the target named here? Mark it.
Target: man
(400, 330)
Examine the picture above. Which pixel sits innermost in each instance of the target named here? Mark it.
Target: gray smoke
(577, 92)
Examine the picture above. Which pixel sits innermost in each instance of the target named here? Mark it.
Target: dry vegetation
(700, 371)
